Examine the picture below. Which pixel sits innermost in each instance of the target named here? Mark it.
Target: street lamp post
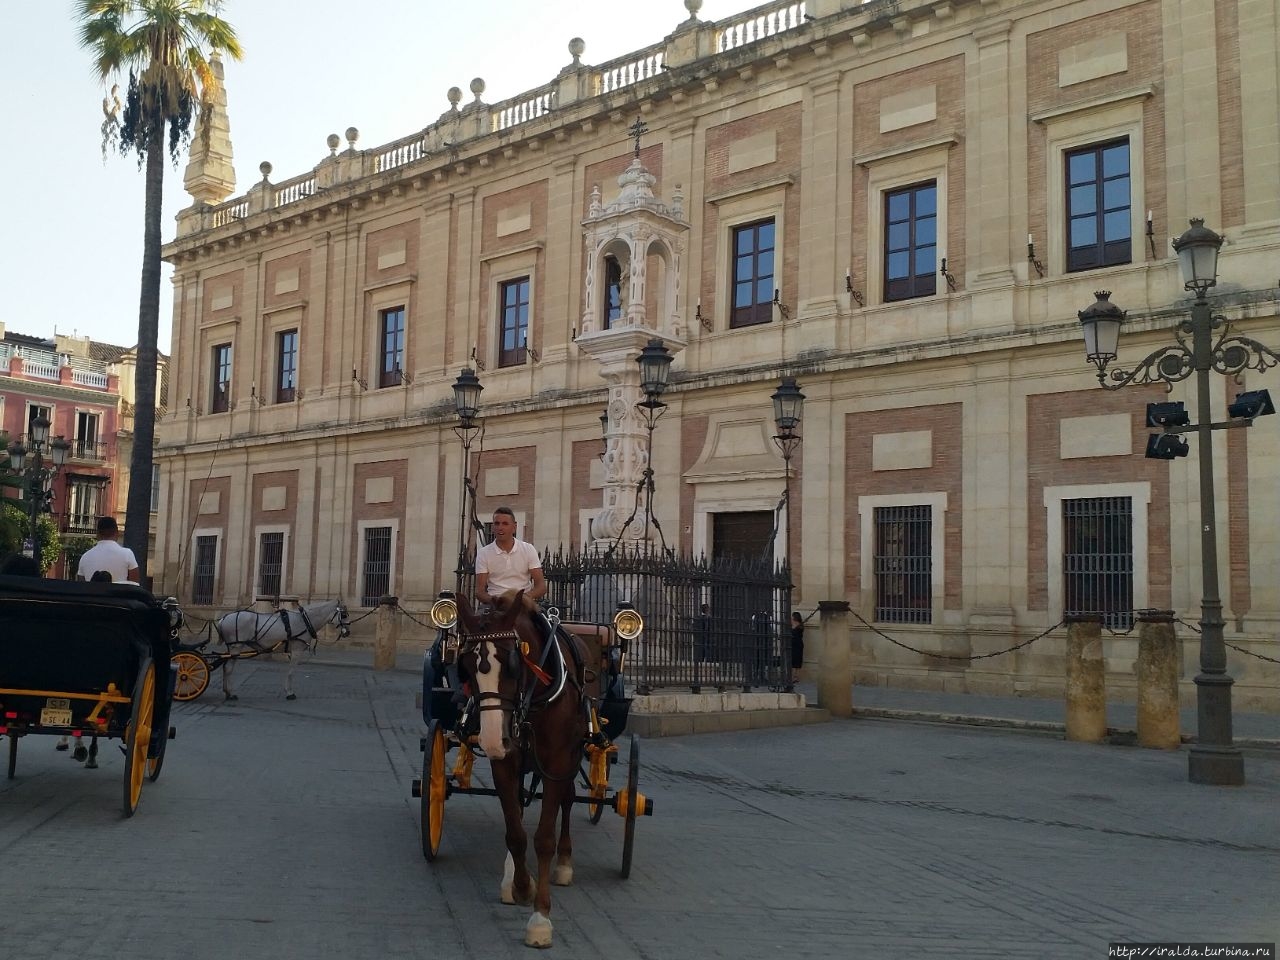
(655, 369)
(1204, 343)
(466, 404)
(38, 475)
(788, 411)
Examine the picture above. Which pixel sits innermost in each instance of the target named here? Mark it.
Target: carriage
(246, 635)
(88, 659)
(454, 717)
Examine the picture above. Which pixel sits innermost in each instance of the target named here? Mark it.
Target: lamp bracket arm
(1168, 365)
(1232, 355)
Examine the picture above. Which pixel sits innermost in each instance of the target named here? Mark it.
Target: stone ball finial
(265, 169)
(455, 96)
(693, 6)
(333, 140)
(576, 48)
(352, 136)
(477, 87)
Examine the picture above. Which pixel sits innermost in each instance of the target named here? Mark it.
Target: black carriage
(453, 722)
(88, 660)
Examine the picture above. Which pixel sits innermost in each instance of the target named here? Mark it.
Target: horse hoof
(91, 765)
(229, 697)
(537, 933)
(61, 746)
(79, 753)
(291, 696)
(562, 875)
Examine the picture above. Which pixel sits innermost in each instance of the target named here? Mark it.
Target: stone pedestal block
(1158, 722)
(387, 637)
(1086, 682)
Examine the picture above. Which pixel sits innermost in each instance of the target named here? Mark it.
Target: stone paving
(286, 829)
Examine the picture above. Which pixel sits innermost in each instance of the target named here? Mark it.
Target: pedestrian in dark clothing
(797, 645)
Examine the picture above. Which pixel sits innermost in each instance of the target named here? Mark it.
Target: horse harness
(551, 672)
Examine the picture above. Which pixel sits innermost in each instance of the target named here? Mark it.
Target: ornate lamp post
(38, 475)
(655, 368)
(466, 404)
(788, 411)
(1204, 343)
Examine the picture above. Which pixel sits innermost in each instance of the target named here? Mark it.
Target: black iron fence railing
(709, 623)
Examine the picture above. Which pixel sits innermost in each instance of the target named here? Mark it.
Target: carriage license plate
(56, 712)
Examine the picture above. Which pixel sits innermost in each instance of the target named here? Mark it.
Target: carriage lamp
(628, 623)
(444, 613)
(1203, 342)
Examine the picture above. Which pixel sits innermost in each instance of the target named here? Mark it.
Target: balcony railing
(89, 449)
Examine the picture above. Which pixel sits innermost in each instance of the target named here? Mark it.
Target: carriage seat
(599, 641)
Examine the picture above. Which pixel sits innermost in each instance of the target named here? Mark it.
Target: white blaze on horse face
(490, 719)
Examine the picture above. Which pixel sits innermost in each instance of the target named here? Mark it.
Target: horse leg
(537, 932)
(562, 875)
(227, 666)
(288, 674)
(517, 885)
(92, 762)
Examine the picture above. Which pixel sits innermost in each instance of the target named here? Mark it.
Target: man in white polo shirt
(508, 564)
(107, 555)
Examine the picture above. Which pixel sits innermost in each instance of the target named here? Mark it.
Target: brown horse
(529, 694)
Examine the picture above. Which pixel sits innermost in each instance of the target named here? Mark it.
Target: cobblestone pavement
(286, 829)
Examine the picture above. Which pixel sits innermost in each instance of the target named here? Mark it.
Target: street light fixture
(1204, 343)
(466, 405)
(788, 411)
(655, 369)
(38, 473)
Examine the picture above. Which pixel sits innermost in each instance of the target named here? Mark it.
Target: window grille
(1097, 562)
(205, 569)
(753, 248)
(376, 575)
(911, 242)
(270, 563)
(1098, 206)
(903, 564)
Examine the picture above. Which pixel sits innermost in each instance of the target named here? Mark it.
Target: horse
(530, 698)
(249, 634)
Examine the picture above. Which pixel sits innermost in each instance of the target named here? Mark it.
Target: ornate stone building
(902, 204)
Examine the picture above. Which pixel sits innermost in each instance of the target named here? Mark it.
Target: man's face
(504, 527)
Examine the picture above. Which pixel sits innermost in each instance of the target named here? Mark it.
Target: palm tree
(164, 47)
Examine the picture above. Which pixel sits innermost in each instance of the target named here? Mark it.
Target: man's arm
(539, 584)
(133, 575)
(482, 585)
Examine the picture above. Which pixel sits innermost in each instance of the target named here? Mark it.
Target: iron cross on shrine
(638, 130)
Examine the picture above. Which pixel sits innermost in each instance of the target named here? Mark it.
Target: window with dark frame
(221, 400)
(34, 412)
(753, 248)
(911, 242)
(1099, 226)
(391, 336)
(270, 563)
(85, 497)
(375, 577)
(286, 366)
(204, 570)
(1097, 559)
(612, 301)
(87, 445)
(513, 327)
(903, 564)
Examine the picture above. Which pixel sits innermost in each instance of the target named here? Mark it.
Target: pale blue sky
(71, 250)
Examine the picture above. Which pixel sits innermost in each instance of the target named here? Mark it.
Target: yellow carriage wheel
(137, 735)
(435, 790)
(193, 675)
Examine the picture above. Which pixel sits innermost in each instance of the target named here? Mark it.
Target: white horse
(245, 634)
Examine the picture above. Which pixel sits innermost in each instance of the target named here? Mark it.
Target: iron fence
(709, 623)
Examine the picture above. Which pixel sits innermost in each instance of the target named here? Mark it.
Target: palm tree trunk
(137, 518)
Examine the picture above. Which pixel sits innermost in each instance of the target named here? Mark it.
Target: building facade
(902, 204)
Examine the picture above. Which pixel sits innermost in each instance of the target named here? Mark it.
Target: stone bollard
(1086, 679)
(835, 667)
(387, 638)
(1158, 719)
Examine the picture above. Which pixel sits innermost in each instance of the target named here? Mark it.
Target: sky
(71, 256)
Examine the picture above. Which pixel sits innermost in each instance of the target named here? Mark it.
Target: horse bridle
(508, 644)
